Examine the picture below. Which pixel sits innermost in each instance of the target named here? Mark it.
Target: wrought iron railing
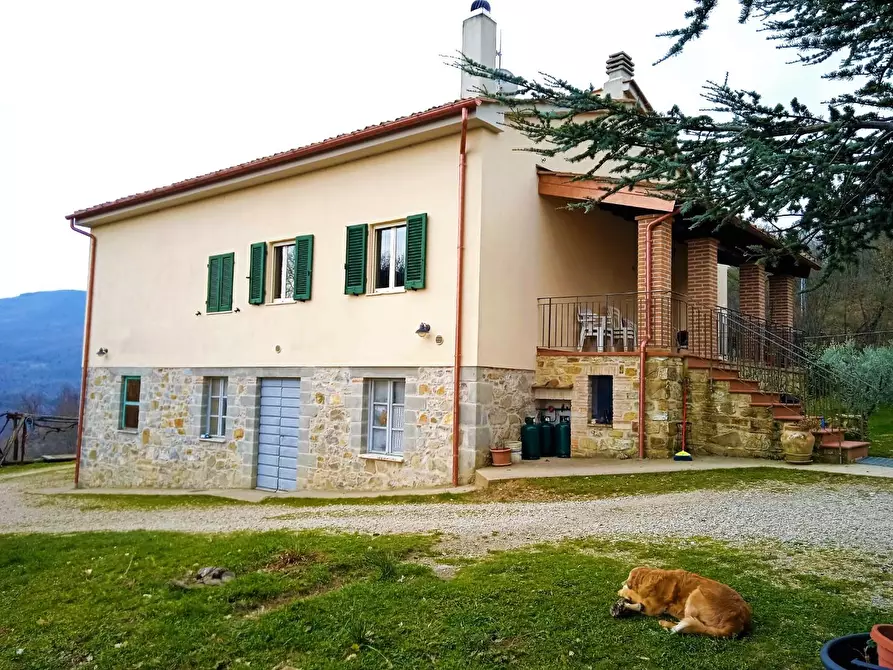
(772, 355)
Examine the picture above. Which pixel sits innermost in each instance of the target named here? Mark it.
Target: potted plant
(797, 441)
(501, 456)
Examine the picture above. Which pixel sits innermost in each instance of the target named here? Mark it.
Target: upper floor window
(220, 283)
(284, 272)
(390, 258)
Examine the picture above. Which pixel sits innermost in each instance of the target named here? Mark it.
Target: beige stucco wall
(531, 248)
(151, 270)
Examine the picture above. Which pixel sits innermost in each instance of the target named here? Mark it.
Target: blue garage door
(277, 453)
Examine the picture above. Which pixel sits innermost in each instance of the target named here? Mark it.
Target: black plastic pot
(845, 653)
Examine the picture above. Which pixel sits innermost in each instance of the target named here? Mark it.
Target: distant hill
(40, 344)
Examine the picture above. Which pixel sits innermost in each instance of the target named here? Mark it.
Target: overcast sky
(103, 99)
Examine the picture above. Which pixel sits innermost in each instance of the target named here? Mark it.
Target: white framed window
(389, 258)
(386, 400)
(284, 272)
(215, 407)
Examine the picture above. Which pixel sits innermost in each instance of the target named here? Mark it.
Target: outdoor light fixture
(102, 351)
(423, 329)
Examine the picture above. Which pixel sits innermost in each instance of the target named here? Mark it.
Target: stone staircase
(831, 443)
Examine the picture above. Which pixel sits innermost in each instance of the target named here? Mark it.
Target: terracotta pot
(882, 634)
(501, 457)
(797, 444)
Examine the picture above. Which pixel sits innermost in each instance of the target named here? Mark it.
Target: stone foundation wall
(166, 450)
(725, 424)
(588, 439)
(663, 405)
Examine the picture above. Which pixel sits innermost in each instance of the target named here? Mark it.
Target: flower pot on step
(797, 444)
(882, 634)
(501, 457)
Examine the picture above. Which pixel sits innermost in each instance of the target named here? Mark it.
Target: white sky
(103, 99)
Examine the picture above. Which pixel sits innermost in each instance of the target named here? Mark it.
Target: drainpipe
(644, 343)
(460, 252)
(86, 354)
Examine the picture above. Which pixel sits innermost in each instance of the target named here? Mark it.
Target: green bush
(867, 374)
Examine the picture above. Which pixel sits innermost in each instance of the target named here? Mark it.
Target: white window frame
(390, 430)
(373, 245)
(282, 272)
(215, 424)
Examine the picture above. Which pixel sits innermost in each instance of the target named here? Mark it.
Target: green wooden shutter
(212, 304)
(226, 282)
(257, 274)
(355, 260)
(303, 266)
(416, 244)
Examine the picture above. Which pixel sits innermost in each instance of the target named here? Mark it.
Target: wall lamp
(423, 329)
(102, 351)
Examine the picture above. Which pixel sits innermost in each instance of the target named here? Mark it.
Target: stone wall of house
(588, 438)
(725, 424)
(166, 451)
(663, 405)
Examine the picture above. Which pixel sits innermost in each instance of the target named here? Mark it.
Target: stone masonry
(167, 450)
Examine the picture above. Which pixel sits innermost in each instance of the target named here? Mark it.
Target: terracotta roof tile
(345, 139)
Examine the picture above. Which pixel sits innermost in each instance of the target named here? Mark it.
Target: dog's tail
(693, 626)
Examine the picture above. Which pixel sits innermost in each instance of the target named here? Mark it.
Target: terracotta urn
(882, 634)
(797, 443)
(501, 457)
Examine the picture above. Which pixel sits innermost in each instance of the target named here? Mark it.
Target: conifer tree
(823, 180)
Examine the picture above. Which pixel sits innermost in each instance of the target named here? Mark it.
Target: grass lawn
(309, 600)
(880, 432)
(12, 468)
(527, 490)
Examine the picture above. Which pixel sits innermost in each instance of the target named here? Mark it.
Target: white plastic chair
(591, 325)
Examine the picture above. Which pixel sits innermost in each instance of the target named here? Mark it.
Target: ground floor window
(602, 394)
(215, 407)
(130, 403)
(386, 400)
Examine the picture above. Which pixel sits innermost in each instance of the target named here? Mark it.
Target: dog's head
(632, 582)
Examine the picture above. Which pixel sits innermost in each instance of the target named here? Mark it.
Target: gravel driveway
(855, 517)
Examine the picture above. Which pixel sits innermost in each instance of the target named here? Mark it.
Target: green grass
(314, 601)
(526, 490)
(10, 468)
(880, 432)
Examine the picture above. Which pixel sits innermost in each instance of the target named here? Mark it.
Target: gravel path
(857, 517)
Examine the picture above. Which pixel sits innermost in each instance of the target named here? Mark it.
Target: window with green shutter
(303, 267)
(355, 260)
(416, 244)
(257, 274)
(220, 283)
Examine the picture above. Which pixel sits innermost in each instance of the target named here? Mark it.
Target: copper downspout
(644, 343)
(460, 252)
(86, 356)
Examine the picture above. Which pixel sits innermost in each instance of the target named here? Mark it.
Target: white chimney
(478, 44)
(620, 71)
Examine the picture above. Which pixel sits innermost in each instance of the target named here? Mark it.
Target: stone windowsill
(128, 431)
(217, 440)
(382, 457)
(596, 424)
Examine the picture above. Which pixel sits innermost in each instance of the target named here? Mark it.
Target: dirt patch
(293, 559)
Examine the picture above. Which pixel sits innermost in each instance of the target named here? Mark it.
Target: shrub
(870, 371)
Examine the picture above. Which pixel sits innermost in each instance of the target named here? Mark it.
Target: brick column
(781, 300)
(753, 290)
(661, 280)
(703, 278)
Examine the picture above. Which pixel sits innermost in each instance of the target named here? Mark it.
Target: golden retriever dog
(701, 605)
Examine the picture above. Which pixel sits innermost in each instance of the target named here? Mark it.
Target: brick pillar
(781, 300)
(661, 280)
(753, 290)
(703, 277)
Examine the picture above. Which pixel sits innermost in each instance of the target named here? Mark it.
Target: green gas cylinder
(530, 440)
(563, 438)
(547, 437)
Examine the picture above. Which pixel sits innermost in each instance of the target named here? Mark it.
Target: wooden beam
(564, 186)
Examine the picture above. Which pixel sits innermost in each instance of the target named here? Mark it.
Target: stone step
(829, 436)
(847, 451)
(781, 411)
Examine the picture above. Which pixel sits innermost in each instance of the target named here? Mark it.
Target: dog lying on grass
(701, 606)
